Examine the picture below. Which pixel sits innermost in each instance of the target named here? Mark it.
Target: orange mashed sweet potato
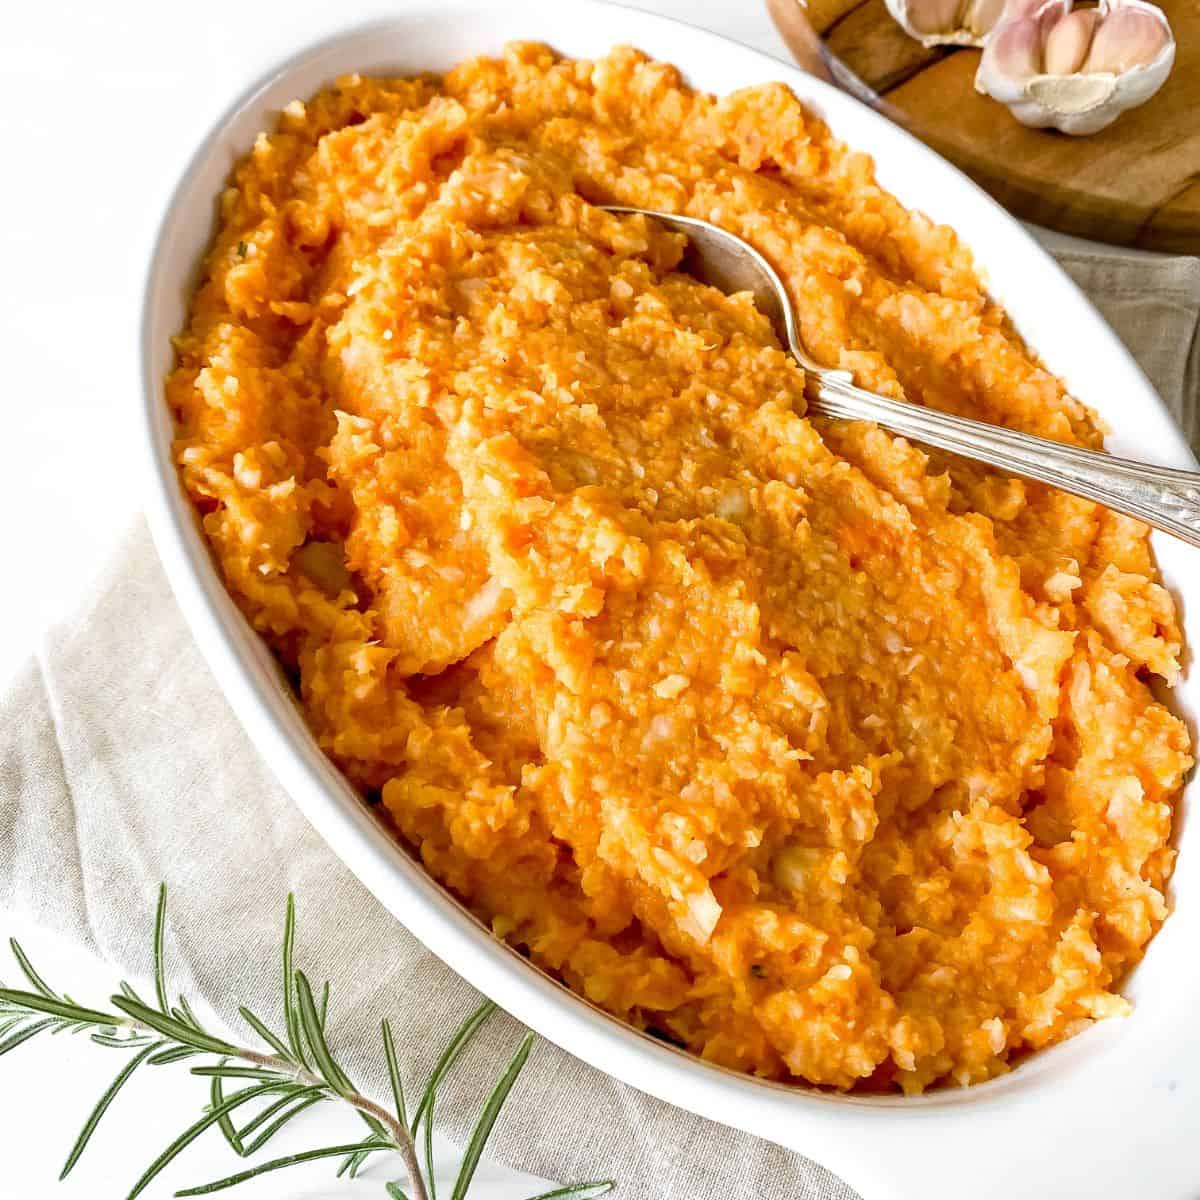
(824, 756)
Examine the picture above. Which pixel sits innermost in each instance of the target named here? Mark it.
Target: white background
(100, 105)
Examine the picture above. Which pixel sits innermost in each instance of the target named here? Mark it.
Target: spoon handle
(1163, 497)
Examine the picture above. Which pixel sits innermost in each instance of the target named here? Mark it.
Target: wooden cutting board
(1136, 183)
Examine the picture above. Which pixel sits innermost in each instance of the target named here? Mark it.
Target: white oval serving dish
(1114, 1112)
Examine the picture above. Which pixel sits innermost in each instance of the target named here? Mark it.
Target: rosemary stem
(401, 1139)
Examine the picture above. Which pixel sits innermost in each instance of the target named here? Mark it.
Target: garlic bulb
(1076, 69)
(947, 22)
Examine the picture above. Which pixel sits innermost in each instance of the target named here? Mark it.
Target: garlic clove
(1127, 38)
(1015, 9)
(1075, 70)
(947, 22)
(1014, 52)
(980, 16)
(1069, 40)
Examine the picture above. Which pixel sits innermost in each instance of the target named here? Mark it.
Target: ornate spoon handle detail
(1163, 497)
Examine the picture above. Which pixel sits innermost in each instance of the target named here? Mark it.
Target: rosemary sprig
(297, 1070)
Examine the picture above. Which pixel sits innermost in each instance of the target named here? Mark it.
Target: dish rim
(793, 1115)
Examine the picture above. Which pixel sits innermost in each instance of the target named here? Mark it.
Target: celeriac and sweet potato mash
(828, 758)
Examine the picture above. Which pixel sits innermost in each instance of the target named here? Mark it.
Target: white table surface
(85, 87)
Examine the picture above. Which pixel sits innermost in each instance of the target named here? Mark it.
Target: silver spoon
(1163, 497)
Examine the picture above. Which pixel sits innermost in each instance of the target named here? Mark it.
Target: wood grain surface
(1136, 183)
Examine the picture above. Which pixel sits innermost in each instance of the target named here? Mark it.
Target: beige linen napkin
(121, 765)
(1154, 305)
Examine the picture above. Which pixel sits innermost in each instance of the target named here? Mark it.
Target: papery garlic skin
(1076, 70)
(947, 22)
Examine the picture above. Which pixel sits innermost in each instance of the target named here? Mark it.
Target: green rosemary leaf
(356, 1161)
(110, 1094)
(274, 1165)
(24, 1034)
(234, 1072)
(291, 1018)
(323, 1007)
(265, 1114)
(193, 1131)
(189, 1017)
(120, 1041)
(126, 990)
(585, 1190)
(73, 1027)
(160, 925)
(36, 1002)
(458, 1043)
(430, 1178)
(487, 1118)
(394, 1191)
(324, 1060)
(39, 984)
(389, 1050)
(174, 1054)
(305, 1098)
(175, 1030)
(261, 1028)
(225, 1124)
